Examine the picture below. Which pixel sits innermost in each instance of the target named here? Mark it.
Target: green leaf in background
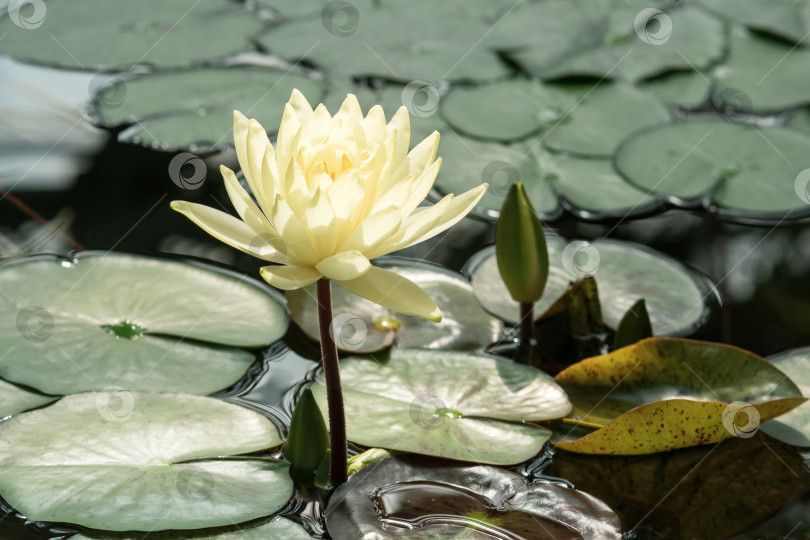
(745, 170)
(307, 439)
(793, 427)
(277, 528)
(448, 404)
(664, 394)
(147, 32)
(362, 326)
(685, 89)
(14, 399)
(132, 322)
(634, 326)
(469, 500)
(788, 19)
(137, 461)
(172, 110)
(625, 272)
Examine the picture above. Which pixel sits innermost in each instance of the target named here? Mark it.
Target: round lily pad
(148, 32)
(426, 498)
(277, 528)
(194, 108)
(138, 461)
(677, 299)
(448, 404)
(788, 19)
(684, 88)
(14, 399)
(363, 326)
(793, 427)
(664, 394)
(750, 173)
(128, 321)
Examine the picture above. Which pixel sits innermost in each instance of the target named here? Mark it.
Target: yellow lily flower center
(334, 170)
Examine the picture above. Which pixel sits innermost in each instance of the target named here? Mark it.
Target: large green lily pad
(14, 399)
(788, 19)
(133, 322)
(746, 171)
(138, 461)
(194, 108)
(793, 427)
(277, 528)
(682, 88)
(447, 404)
(663, 394)
(147, 32)
(363, 326)
(676, 298)
(443, 500)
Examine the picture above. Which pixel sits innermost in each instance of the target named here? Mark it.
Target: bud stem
(526, 322)
(334, 393)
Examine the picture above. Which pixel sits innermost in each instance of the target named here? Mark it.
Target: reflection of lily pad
(145, 32)
(793, 427)
(624, 272)
(14, 399)
(133, 322)
(363, 326)
(448, 404)
(747, 171)
(663, 394)
(277, 528)
(443, 500)
(714, 492)
(195, 107)
(135, 461)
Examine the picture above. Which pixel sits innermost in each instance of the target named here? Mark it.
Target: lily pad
(362, 326)
(14, 399)
(194, 108)
(663, 394)
(133, 322)
(793, 427)
(748, 172)
(423, 498)
(788, 19)
(685, 89)
(148, 32)
(138, 461)
(277, 528)
(677, 298)
(448, 404)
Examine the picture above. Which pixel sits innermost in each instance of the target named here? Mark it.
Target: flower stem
(334, 392)
(526, 322)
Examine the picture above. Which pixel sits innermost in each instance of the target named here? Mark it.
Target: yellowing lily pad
(663, 394)
(137, 461)
(447, 404)
(362, 326)
(277, 528)
(131, 322)
(793, 427)
(14, 399)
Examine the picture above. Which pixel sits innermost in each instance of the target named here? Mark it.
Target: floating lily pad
(417, 41)
(194, 108)
(788, 19)
(14, 399)
(423, 498)
(363, 326)
(148, 32)
(762, 74)
(663, 394)
(694, 492)
(137, 461)
(447, 404)
(132, 322)
(686, 89)
(677, 299)
(793, 427)
(748, 172)
(277, 528)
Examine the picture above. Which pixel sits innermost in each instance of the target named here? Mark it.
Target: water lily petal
(345, 265)
(289, 278)
(401, 125)
(316, 130)
(300, 105)
(373, 230)
(319, 219)
(350, 113)
(394, 292)
(346, 196)
(419, 223)
(421, 186)
(228, 229)
(460, 206)
(292, 231)
(419, 158)
(289, 134)
(244, 205)
(263, 186)
(371, 131)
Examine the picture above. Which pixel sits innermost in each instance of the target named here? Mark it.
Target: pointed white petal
(394, 292)
(289, 278)
(345, 265)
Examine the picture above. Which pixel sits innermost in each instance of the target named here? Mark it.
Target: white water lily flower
(335, 193)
